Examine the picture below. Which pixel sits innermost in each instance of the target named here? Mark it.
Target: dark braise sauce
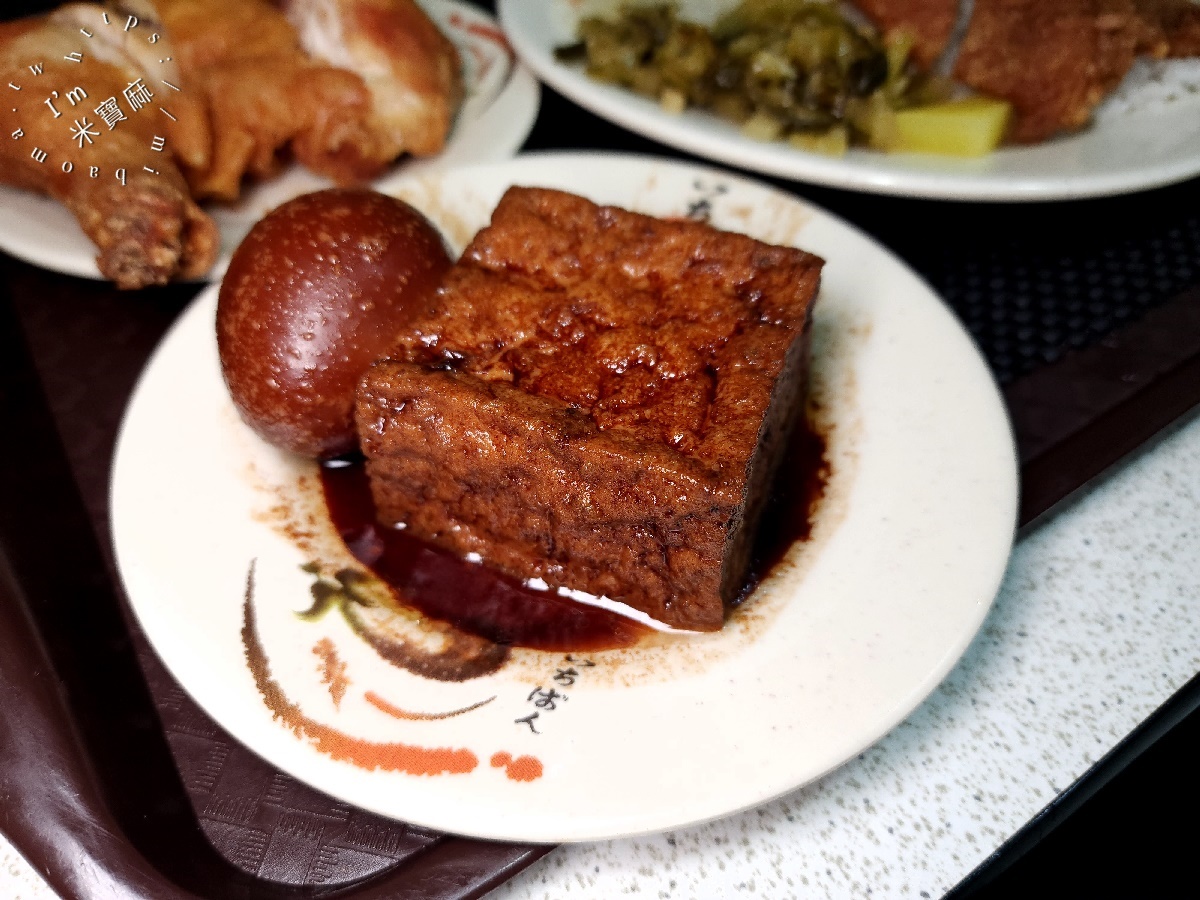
(792, 506)
(483, 602)
(469, 596)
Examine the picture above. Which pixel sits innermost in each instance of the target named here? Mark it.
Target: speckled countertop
(1095, 626)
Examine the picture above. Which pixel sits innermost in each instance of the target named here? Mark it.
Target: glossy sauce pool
(483, 602)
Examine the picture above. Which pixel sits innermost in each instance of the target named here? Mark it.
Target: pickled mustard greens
(792, 70)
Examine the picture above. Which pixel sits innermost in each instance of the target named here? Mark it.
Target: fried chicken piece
(130, 199)
(384, 81)
(265, 97)
(1054, 61)
(930, 22)
(187, 130)
(411, 69)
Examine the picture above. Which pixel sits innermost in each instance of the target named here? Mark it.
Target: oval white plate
(497, 114)
(1150, 143)
(837, 646)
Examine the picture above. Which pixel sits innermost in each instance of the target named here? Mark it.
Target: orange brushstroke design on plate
(523, 768)
(396, 712)
(391, 757)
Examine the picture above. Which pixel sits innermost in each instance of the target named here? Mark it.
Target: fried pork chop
(930, 22)
(1054, 60)
(1178, 22)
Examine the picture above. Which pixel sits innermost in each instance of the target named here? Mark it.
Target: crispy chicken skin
(146, 227)
(347, 89)
(930, 22)
(187, 129)
(265, 96)
(411, 69)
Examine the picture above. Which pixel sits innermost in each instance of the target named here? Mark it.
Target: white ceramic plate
(500, 107)
(1152, 139)
(846, 637)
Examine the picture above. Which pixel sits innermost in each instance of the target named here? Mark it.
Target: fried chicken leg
(411, 69)
(62, 136)
(263, 96)
(391, 87)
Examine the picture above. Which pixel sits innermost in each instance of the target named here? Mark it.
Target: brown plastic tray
(110, 772)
